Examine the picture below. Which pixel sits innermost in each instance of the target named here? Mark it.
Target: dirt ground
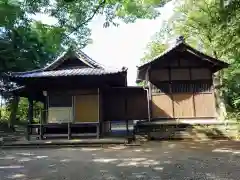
(213, 160)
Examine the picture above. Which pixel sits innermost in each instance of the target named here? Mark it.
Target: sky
(124, 45)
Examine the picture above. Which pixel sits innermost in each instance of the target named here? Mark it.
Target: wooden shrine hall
(81, 96)
(180, 83)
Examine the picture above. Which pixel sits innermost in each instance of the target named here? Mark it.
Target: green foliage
(26, 44)
(4, 115)
(155, 48)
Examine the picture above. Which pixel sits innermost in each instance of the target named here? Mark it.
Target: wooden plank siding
(125, 104)
(86, 108)
(205, 104)
(137, 107)
(183, 105)
(180, 74)
(114, 107)
(182, 90)
(162, 106)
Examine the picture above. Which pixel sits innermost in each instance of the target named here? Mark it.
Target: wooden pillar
(126, 115)
(150, 100)
(98, 131)
(69, 131)
(110, 126)
(99, 117)
(43, 119)
(149, 95)
(30, 116)
(44, 112)
(127, 127)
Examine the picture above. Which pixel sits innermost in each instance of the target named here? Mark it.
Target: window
(202, 86)
(161, 87)
(182, 87)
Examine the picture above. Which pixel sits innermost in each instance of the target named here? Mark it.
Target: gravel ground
(215, 160)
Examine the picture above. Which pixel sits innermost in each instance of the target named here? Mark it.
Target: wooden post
(99, 121)
(45, 112)
(150, 100)
(98, 131)
(41, 129)
(69, 131)
(127, 129)
(149, 95)
(43, 119)
(30, 116)
(110, 126)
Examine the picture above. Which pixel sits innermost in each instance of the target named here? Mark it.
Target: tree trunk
(220, 102)
(13, 108)
(1, 105)
(217, 83)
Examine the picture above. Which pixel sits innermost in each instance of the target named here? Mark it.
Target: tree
(74, 16)
(154, 49)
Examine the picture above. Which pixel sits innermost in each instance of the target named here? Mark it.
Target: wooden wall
(86, 108)
(162, 106)
(59, 108)
(125, 104)
(182, 89)
(73, 106)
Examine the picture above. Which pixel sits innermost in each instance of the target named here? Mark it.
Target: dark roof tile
(66, 72)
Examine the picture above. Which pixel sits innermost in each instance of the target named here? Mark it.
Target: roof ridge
(208, 58)
(89, 59)
(164, 52)
(79, 54)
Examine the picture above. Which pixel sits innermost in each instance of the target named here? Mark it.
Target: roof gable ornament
(80, 55)
(180, 39)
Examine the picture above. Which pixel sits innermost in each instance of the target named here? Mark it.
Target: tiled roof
(188, 48)
(66, 72)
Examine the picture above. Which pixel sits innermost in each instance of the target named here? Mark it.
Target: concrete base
(195, 131)
(64, 143)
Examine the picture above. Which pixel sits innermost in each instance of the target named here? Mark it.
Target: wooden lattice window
(202, 86)
(161, 87)
(182, 87)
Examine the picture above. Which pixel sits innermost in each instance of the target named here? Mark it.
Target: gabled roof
(80, 55)
(92, 68)
(181, 45)
(67, 72)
